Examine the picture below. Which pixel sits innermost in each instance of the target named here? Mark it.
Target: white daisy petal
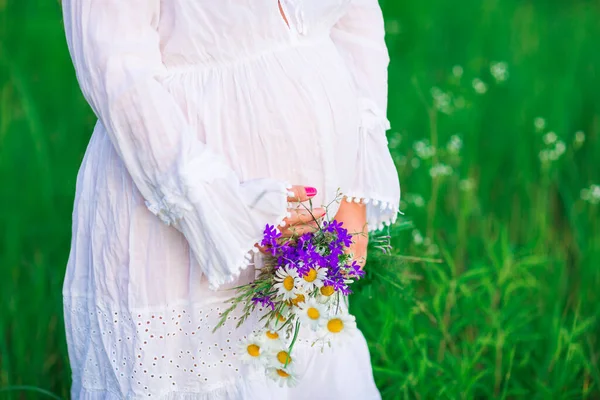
(287, 281)
(338, 327)
(272, 339)
(312, 313)
(252, 350)
(283, 376)
(280, 358)
(313, 279)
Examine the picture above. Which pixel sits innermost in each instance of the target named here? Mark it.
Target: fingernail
(310, 191)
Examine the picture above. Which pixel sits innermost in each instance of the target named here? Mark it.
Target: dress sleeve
(359, 37)
(114, 45)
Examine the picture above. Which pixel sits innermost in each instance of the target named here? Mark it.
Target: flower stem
(296, 331)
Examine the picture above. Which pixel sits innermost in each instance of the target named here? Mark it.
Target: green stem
(296, 331)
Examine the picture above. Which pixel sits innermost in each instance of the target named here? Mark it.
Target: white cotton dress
(206, 111)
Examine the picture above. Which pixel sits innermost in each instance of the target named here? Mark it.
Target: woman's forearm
(354, 217)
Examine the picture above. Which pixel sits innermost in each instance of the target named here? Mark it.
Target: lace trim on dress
(387, 214)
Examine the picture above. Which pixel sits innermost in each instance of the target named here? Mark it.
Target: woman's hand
(354, 217)
(301, 220)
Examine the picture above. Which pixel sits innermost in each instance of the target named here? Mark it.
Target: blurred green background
(493, 290)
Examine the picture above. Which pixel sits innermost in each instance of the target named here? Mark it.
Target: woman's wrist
(354, 217)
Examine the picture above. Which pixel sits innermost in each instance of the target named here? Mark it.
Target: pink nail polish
(310, 191)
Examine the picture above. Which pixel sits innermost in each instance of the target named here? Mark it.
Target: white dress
(206, 111)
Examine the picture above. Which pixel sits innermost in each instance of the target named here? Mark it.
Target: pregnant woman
(215, 118)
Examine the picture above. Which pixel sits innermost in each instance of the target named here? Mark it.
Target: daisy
(314, 278)
(280, 317)
(287, 279)
(271, 338)
(280, 358)
(253, 351)
(283, 376)
(312, 313)
(326, 294)
(341, 326)
(300, 298)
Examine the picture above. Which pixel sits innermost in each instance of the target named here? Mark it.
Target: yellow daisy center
(335, 325)
(288, 283)
(280, 317)
(299, 299)
(283, 357)
(311, 276)
(327, 290)
(272, 335)
(253, 350)
(313, 313)
(282, 373)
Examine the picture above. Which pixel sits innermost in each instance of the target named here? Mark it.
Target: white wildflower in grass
(539, 123)
(418, 201)
(253, 351)
(395, 139)
(499, 71)
(591, 194)
(479, 86)
(459, 102)
(457, 71)
(440, 170)
(312, 279)
(560, 148)
(578, 139)
(423, 149)
(441, 101)
(283, 377)
(415, 163)
(287, 279)
(454, 144)
(544, 156)
(415, 199)
(417, 237)
(312, 313)
(338, 327)
(427, 242)
(402, 160)
(553, 153)
(550, 138)
(433, 249)
(466, 185)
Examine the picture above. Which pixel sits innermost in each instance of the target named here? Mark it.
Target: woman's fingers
(300, 216)
(297, 230)
(300, 193)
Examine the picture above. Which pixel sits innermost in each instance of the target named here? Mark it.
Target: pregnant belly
(288, 114)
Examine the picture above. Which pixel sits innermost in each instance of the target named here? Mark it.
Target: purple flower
(265, 301)
(355, 270)
(343, 237)
(271, 234)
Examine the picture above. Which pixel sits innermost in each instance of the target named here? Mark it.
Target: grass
(492, 291)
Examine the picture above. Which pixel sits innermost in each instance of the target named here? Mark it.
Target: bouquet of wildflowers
(303, 284)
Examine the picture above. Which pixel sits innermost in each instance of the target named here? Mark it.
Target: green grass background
(493, 290)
